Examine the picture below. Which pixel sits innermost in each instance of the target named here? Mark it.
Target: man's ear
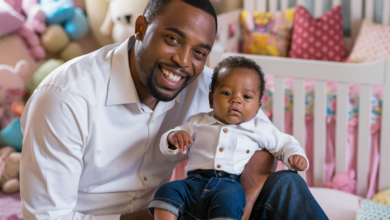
(140, 27)
(211, 99)
(258, 108)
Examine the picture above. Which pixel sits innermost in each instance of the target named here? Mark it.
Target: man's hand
(180, 140)
(298, 162)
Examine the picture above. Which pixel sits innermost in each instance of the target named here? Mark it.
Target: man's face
(174, 49)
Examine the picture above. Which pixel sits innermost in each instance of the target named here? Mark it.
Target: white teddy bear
(121, 17)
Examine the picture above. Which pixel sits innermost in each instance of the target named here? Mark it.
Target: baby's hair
(238, 62)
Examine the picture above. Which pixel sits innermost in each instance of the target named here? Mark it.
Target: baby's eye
(247, 97)
(226, 93)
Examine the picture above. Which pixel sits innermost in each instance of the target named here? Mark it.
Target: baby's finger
(291, 160)
(186, 139)
(180, 140)
(190, 140)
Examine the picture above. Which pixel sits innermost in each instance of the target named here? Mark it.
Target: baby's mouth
(234, 111)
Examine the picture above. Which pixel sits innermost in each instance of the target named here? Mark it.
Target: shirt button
(218, 166)
(247, 151)
(225, 130)
(221, 149)
(142, 109)
(145, 178)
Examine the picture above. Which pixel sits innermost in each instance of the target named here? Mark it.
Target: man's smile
(170, 77)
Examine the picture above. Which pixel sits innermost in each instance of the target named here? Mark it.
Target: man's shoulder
(89, 71)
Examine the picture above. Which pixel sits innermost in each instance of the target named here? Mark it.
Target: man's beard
(150, 81)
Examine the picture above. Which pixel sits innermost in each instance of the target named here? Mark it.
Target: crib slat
(319, 133)
(318, 8)
(356, 16)
(384, 167)
(369, 10)
(336, 3)
(299, 114)
(273, 6)
(284, 4)
(341, 127)
(278, 103)
(364, 134)
(249, 5)
(386, 13)
(261, 5)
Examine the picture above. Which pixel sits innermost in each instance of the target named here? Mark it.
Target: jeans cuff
(164, 206)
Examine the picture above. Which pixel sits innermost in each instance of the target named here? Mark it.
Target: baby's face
(236, 96)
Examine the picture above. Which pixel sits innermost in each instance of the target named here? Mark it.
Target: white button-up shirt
(90, 148)
(229, 147)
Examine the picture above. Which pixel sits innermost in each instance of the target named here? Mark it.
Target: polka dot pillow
(318, 39)
(372, 43)
(370, 210)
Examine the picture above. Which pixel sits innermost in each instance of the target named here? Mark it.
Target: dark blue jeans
(205, 194)
(286, 196)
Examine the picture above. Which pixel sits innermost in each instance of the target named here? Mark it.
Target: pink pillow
(372, 43)
(10, 20)
(318, 39)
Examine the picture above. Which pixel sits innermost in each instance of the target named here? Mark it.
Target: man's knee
(285, 177)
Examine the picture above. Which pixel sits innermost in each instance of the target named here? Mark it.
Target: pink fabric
(318, 39)
(10, 206)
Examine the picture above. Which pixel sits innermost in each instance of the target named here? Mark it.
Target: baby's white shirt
(228, 148)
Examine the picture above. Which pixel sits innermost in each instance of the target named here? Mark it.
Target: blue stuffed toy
(12, 135)
(64, 12)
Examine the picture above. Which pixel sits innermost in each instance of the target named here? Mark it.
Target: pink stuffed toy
(343, 182)
(36, 18)
(9, 9)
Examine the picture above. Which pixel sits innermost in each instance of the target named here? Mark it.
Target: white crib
(322, 71)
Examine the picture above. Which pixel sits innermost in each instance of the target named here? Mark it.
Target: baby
(222, 142)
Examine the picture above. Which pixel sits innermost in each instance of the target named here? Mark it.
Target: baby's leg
(169, 201)
(227, 202)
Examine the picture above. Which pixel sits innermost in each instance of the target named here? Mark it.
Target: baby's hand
(180, 139)
(298, 162)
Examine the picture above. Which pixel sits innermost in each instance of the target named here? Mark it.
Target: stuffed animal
(343, 182)
(36, 18)
(382, 197)
(121, 17)
(10, 15)
(9, 170)
(64, 13)
(13, 85)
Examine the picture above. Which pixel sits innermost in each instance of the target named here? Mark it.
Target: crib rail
(344, 74)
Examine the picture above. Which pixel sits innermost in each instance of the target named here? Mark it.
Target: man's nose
(183, 57)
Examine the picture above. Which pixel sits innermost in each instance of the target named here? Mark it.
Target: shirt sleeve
(164, 145)
(55, 129)
(282, 145)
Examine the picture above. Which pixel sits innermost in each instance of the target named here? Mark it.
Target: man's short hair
(238, 62)
(156, 7)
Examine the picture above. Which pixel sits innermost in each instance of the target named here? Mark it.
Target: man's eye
(226, 93)
(247, 97)
(200, 53)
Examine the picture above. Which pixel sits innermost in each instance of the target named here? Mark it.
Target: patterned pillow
(372, 43)
(267, 33)
(318, 39)
(372, 210)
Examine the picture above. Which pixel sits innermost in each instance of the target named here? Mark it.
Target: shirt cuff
(164, 145)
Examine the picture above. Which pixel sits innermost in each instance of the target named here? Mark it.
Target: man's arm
(252, 179)
(54, 125)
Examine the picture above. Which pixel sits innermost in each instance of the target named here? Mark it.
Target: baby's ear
(258, 108)
(211, 99)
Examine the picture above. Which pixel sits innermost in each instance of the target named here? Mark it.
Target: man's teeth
(172, 77)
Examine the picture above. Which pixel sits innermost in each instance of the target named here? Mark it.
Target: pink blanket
(10, 207)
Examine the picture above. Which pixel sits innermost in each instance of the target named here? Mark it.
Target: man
(93, 126)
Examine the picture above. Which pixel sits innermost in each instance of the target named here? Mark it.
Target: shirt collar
(121, 88)
(209, 119)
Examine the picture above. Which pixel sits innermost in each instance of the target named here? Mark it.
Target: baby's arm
(177, 139)
(285, 148)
